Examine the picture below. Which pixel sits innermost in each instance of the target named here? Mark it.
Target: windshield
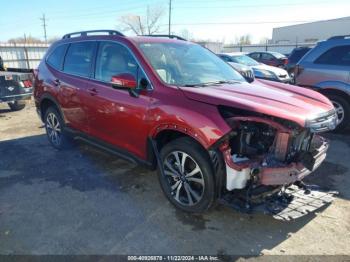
(244, 60)
(188, 64)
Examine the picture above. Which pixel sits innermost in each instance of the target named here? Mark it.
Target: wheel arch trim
(336, 86)
(52, 99)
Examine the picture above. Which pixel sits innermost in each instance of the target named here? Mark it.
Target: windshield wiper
(213, 83)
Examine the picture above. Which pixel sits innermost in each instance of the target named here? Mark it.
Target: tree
(185, 33)
(53, 39)
(141, 25)
(25, 39)
(243, 40)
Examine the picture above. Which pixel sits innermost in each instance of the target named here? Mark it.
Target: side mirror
(125, 80)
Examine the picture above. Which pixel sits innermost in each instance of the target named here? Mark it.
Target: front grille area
(322, 123)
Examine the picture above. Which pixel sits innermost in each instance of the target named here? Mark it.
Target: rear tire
(54, 126)
(17, 105)
(342, 107)
(188, 180)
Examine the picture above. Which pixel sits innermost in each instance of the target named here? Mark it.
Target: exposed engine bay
(269, 155)
(269, 151)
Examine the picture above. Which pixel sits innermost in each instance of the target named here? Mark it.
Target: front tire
(342, 107)
(54, 126)
(17, 105)
(188, 180)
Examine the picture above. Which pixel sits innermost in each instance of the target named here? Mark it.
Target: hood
(276, 70)
(288, 102)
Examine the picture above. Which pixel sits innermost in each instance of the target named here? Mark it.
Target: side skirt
(126, 155)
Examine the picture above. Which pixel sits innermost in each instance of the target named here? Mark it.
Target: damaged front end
(266, 159)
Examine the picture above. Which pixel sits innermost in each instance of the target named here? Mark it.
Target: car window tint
(339, 55)
(78, 59)
(113, 59)
(254, 55)
(55, 59)
(266, 56)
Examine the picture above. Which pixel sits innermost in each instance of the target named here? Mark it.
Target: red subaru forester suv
(175, 106)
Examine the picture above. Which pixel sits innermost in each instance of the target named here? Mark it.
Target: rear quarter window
(339, 55)
(55, 59)
(79, 58)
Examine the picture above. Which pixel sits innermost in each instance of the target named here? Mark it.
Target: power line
(247, 23)
(43, 19)
(248, 6)
(99, 13)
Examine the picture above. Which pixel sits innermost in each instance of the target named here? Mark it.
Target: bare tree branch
(141, 25)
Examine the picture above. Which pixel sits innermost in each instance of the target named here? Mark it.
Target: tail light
(285, 61)
(27, 83)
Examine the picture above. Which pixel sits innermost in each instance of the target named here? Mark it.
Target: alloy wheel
(339, 109)
(184, 177)
(53, 129)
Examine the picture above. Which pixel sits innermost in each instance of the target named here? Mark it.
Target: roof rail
(337, 37)
(169, 36)
(85, 33)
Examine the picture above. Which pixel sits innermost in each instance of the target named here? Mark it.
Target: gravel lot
(85, 201)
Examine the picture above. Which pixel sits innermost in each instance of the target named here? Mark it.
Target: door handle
(57, 82)
(92, 91)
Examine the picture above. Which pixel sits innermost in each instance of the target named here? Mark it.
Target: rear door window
(79, 58)
(255, 56)
(339, 55)
(266, 56)
(55, 59)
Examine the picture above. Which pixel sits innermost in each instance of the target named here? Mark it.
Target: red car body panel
(267, 97)
(125, 121)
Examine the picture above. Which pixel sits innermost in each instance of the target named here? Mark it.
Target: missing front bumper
(293, 172)
(239, 173)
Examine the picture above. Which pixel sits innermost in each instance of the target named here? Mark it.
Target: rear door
(74, 83)
(268, 59)
(115, 116)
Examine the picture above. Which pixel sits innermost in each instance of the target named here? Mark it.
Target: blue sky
(204, 19)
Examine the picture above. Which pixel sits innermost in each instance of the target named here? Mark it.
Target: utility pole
(169, 17)
(43, 19)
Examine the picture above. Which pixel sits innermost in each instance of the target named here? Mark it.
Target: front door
(268, 59)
